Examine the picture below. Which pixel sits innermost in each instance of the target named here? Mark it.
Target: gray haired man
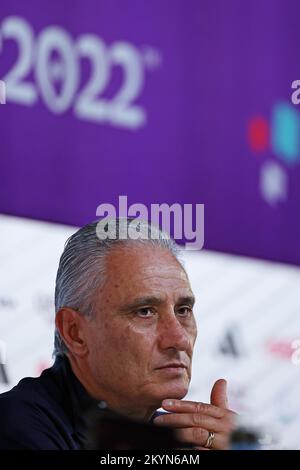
(125, 333)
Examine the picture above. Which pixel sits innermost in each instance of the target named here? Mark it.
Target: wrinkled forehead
(143, 261)
(144, 271)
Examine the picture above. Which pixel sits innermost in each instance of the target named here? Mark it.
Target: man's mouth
(173, 365)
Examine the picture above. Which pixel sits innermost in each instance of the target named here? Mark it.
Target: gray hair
(82, 264)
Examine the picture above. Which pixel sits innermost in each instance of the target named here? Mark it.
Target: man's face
(142, 336)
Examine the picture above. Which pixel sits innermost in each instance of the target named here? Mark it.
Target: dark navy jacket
(45, 412)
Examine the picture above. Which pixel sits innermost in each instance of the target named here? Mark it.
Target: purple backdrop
(205, 114)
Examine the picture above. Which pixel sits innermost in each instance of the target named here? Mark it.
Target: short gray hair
(82, 265)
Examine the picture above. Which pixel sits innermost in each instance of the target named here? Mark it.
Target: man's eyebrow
(186, 300)
(152, 300)
(142, 301)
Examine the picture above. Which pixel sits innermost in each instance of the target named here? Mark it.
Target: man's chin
(173, 390)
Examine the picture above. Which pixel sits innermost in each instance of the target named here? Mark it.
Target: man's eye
(146, 312)
(185, 311)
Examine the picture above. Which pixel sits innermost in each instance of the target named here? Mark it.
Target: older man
(125, 332)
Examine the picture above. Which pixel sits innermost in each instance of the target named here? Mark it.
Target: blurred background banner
(186, 102)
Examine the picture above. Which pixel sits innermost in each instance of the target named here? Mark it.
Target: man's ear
(70, 325)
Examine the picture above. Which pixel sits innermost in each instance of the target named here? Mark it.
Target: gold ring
(208, 444)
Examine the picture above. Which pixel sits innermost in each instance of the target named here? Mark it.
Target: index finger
(185, 406)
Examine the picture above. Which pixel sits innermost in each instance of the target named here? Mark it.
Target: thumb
(218, 396)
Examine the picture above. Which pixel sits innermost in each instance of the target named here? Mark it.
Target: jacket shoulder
(30, 419)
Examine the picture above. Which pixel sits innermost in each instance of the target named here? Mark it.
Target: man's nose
(172, 335)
